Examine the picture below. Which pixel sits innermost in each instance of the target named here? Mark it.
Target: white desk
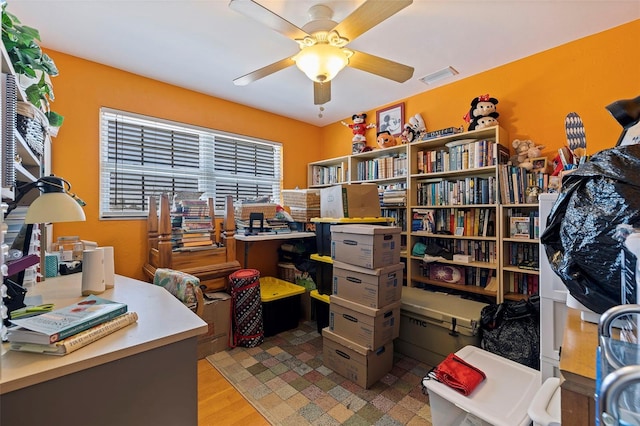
(249, 239)
(143, 374)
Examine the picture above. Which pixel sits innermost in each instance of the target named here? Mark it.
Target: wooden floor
(219, 403)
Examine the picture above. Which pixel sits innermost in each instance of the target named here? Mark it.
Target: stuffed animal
(413, 130)
(525, 152)
(385, 139)
(359, 127)
(482, 113)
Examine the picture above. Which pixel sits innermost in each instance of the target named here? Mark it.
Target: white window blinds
(143, 156)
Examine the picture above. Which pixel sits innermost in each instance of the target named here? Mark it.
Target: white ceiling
(203, 45)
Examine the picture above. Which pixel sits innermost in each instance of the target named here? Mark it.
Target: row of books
(382, 167)
(466, 191)
(523, 255)
(514, 181)
(473, 250)
(462, 155)
(399, 215)
(70, 328)
(393, 197)
(476, 222)
(522, 283)
(328, 175)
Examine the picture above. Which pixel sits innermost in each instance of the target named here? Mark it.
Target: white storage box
(502, 399)
(374, 288)
(432, 325)
(369, 246)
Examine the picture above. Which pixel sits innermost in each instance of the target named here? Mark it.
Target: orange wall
(83, 87)
(535, 94)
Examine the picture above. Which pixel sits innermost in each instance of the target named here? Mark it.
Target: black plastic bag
(580, 237)
(512, 330)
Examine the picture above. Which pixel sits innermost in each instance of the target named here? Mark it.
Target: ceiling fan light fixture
(322, 62)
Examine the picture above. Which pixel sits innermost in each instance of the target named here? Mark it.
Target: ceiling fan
(322, 43)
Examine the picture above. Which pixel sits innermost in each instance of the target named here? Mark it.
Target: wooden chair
(212, 265)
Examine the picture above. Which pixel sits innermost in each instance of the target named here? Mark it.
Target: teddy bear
(525, 151)
(358, 127)
(482, 113)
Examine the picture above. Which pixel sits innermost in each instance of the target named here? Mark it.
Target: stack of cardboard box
(364, 309)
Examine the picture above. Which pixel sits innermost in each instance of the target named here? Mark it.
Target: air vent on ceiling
(439, 75)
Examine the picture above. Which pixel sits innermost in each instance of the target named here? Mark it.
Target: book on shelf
(79, 340)
(60, 323)
(519, 227)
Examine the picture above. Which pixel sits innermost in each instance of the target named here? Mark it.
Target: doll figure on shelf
(358, 128)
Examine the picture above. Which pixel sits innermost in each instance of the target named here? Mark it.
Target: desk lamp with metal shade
(55, 204)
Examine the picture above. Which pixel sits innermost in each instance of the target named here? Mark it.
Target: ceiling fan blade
(263, 72)
(380, 66)
(321, 92)
(368, 15)
(257, 12)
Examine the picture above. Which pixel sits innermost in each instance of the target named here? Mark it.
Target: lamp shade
(321, 62)
(54, 204)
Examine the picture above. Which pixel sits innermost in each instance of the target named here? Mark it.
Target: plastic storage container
(502, 399)
(320, 303)
(432, 325)
(324, 273)
(280, 305)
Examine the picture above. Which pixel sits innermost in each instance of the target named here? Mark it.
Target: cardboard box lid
(503, 398)
(442, 307)
(352, 346)
(359, 269)
(365, 310)
(364, 229)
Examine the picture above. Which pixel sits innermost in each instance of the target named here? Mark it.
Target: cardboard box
(217, 314)
(369, 246)
(355, 362)
(362, 325)
(374, 288)
(433, 325)
(323, 229)
(346, 200)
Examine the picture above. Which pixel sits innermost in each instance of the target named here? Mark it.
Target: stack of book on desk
(67, 329)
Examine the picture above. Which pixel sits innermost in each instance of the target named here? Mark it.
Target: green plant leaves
(27, 57)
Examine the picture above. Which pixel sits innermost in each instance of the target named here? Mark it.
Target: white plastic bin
(502, 399)
(544, 410)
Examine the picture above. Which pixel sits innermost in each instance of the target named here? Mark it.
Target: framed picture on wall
(391, 119)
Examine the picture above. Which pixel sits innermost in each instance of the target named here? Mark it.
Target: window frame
(208, 178)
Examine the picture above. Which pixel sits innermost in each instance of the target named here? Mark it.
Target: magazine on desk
(80, 340)
(60, 323)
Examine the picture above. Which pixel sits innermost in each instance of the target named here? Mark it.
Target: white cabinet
(553, 302)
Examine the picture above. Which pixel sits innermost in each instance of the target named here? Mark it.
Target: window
(143, 156)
